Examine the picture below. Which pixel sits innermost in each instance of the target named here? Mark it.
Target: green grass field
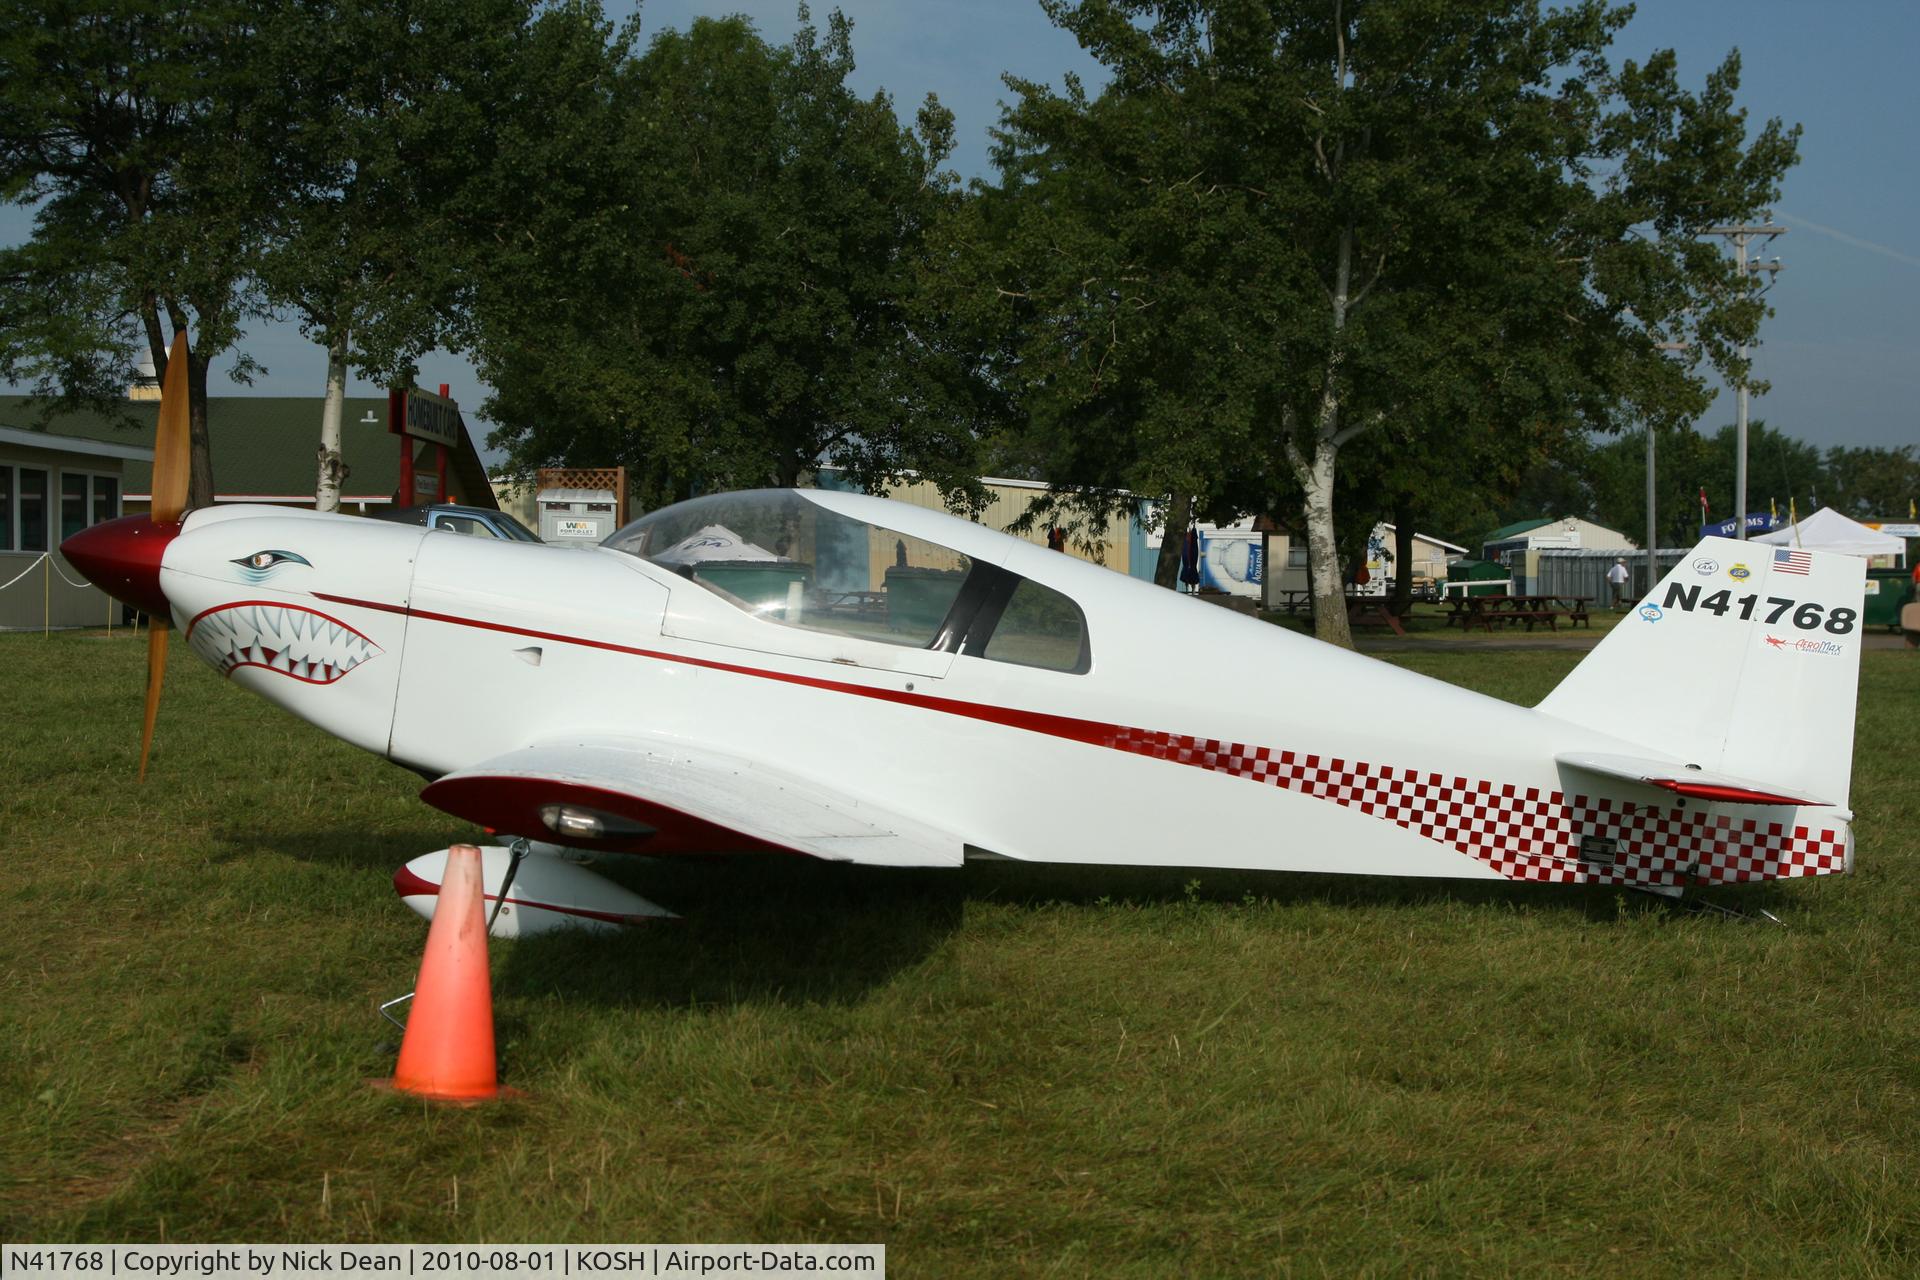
(1003, 1070)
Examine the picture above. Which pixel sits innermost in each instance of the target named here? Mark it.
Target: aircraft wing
(644, 795)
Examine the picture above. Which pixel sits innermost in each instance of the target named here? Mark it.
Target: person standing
(1617, 579)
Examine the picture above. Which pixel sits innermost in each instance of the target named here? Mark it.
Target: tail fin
(1744, 661)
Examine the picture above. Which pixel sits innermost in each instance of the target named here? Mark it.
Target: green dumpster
(1887, 590)
(918, 599)
(1490, 576)
(766, 585)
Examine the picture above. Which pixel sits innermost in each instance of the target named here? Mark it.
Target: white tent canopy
(715, 542)
(1828, 530)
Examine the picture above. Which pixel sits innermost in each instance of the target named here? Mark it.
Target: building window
(32, 502)
(73, 503)
(106, 498)
(6, 509)
(86, 498)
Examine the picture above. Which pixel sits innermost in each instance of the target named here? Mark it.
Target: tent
(1828, 530)
(715, 542)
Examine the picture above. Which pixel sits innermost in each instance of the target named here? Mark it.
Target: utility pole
(1742, 235)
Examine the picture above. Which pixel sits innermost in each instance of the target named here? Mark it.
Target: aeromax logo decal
(1800, 644)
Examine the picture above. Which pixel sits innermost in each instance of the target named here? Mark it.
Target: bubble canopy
(794, 562)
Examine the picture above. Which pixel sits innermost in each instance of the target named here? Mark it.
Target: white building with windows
(51, 486)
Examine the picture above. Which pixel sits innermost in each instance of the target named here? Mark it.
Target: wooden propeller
(172, 464)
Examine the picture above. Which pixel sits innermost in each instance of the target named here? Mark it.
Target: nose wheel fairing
(547, 893)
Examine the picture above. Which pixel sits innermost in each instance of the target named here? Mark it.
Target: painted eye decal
(258, 566)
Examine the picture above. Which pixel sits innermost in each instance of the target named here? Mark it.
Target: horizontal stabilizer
(1683, 779)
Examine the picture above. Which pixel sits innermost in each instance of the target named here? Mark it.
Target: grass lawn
(1002, 1070)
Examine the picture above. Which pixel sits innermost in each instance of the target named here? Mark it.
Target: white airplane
(859, 680)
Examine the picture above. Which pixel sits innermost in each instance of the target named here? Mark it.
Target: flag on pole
(1704, 513)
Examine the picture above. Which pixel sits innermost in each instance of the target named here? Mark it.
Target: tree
(1873, 483)
(1076, 279)
(384, 113)
(121, 125)
(730, 306)
(1404, 220)
(1615, 474)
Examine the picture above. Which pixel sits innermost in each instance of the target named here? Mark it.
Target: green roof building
(266, 449)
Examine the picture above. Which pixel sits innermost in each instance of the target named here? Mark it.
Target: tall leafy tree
(1873, 482)
(1399, 221)
(122, 126)
(1077, 281)
(729, 304)
(383, 113)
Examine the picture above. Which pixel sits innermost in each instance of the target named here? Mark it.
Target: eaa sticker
(1739, 573)
(1651, 612)
(1706, 567)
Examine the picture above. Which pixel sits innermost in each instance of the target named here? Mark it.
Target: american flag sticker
(1800, 562)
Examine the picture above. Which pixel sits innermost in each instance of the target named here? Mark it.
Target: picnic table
(1493, 612)
(1293, 600)
(1373, 611)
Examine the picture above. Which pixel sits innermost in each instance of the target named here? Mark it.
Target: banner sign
(1756, 523)
(429, 417)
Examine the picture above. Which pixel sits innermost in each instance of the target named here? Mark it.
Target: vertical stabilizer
(1745, 660)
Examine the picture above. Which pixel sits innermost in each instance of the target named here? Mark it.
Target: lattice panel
(613, 478)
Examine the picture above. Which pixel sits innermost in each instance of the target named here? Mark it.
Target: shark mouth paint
(299, 643)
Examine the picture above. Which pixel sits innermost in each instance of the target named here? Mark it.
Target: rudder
(1744, 660)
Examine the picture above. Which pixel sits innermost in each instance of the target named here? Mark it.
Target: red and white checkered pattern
(1522, 832)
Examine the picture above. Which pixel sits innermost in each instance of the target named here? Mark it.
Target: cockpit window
(1039, 627)
(788, 560)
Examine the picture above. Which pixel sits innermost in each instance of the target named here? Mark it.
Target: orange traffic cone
(447, 1051)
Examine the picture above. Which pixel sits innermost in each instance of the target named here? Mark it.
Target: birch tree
(1403, 220)
(387, 115)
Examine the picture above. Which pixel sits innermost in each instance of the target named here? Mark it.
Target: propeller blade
(157, 632)
(173, 443)
(172, 468)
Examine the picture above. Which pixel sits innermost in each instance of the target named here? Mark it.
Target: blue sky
(1843, 350)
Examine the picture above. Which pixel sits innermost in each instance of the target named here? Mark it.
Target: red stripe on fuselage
(1094, 732)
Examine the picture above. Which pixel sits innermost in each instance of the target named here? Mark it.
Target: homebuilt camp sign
(431, 417)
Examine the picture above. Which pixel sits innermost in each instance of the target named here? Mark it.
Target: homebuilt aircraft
(853, 679)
